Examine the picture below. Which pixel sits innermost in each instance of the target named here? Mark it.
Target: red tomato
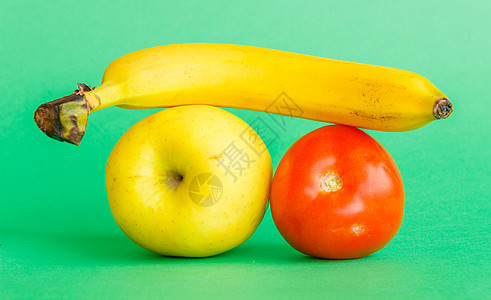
(337, 194)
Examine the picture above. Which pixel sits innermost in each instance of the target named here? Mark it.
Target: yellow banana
(252, 78)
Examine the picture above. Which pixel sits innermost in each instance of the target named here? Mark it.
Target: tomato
(337, 194)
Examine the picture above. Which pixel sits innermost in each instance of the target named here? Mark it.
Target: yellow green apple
(189, 181)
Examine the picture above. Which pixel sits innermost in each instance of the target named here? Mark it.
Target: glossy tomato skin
(337, 194)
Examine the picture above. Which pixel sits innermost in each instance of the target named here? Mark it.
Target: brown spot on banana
(361, 114)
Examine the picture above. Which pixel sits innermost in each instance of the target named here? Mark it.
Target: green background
(59, 240)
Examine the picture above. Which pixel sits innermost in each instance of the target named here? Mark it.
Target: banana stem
(65, 119)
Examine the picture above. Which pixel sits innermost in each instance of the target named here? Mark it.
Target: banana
(259, 79)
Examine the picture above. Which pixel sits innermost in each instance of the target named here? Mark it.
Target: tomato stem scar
(331, 182)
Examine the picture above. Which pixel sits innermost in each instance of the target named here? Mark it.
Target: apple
(189, 181)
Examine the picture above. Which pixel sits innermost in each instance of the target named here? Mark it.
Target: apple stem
(173, 179)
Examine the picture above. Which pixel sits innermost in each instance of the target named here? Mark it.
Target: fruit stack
(194, 180)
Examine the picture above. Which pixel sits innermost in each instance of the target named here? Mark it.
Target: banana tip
(442, 109)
